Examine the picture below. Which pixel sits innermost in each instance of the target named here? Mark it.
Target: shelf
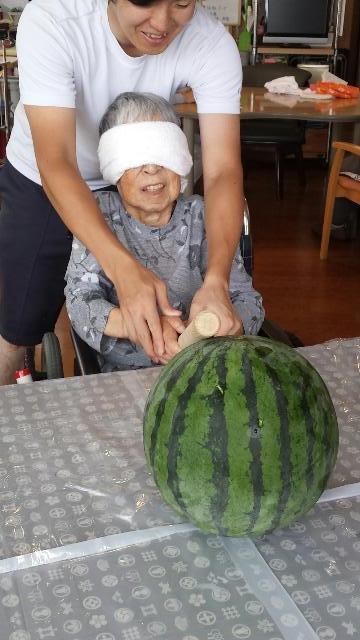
(302, 51)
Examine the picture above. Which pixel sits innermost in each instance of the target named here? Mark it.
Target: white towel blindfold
(135, 144)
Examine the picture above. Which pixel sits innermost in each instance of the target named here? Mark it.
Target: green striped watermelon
(241, 435)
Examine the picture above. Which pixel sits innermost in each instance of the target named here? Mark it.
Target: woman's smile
(154, 188)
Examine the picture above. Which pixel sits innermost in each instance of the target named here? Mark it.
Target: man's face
(150, 29)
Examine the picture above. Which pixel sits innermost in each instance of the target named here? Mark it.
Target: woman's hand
(142, 294)
(214, 296)
(172, 327)
(115, 324)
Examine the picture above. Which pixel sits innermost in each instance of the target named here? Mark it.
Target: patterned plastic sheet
(86, 553)
(338, 362)
(72, 465)
(300, 583)
(317, 561)
(179, 586)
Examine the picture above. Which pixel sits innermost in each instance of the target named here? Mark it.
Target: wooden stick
(205, 325)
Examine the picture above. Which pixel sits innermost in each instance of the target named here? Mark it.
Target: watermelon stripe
(268, 413)
(310, 427)
(237, 416)
(302, 438)
(285, 446)
(322, 443)
(179, 426)
(160, 408)
(218, 443)
(255, 441)
(194, 462)
(163, 427)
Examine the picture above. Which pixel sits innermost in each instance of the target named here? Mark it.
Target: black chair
(284, 137)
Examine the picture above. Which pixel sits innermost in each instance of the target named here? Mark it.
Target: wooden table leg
(356, 135)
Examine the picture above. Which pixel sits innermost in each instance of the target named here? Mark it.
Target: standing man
(74, 58)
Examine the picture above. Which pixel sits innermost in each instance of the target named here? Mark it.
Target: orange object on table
(335, 89)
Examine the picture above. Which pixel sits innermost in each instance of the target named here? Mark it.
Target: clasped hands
(146, 317)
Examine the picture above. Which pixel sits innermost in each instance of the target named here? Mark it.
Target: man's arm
(140, 291)
(246, 300)
(224, 205)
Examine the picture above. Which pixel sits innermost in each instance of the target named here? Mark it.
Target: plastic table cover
(89, 550)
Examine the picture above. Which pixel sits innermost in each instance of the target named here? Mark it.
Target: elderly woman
(143, 152)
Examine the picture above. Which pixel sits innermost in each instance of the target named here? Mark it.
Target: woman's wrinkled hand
(214, 296)
(172, 327)
(143, 298)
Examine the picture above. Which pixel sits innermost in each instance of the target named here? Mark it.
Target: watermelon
(240, 434)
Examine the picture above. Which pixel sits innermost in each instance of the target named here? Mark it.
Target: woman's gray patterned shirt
(176, 252)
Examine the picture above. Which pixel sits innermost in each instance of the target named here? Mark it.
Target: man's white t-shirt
(69, 57)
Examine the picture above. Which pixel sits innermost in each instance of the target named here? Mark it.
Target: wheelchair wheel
(51, 360)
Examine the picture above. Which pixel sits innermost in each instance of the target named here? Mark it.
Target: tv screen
(309, 18)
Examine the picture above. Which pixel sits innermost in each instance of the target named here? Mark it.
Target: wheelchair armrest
(271, 330)
(85, 356)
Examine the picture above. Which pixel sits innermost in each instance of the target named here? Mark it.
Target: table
(90, 552)
(257, 102)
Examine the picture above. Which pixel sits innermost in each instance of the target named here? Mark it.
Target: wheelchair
(85, 360)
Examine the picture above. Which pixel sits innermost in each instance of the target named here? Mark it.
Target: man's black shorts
(35, 247)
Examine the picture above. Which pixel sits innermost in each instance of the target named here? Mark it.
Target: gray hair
(137, 107)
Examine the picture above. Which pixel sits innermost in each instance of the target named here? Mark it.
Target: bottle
(23, 376)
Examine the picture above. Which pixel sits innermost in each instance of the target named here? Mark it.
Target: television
(298, 22)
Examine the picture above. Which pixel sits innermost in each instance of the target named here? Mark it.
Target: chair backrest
(256, 75)
(337, 188)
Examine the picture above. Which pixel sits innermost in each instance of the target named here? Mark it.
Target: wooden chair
(338, 187)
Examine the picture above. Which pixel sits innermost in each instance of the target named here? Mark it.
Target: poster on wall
(227, 11)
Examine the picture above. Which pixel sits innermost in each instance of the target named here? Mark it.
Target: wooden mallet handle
(205, 325)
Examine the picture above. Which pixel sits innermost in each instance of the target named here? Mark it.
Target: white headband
(131, 145)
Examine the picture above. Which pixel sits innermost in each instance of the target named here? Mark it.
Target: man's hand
(214, 296)
(141, 295)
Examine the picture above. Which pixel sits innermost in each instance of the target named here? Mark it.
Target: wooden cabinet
(349, 41)
(350, 35)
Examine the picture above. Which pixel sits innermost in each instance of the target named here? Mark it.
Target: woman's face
(150, 29)
(149, 192)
